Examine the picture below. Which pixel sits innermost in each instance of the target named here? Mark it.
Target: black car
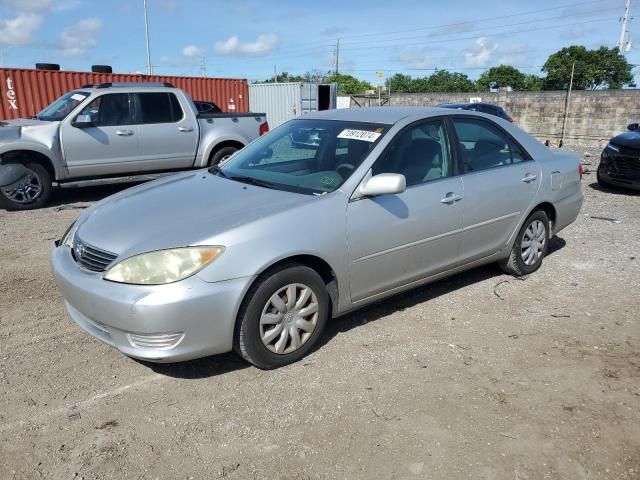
(620, 160)
(480, 107)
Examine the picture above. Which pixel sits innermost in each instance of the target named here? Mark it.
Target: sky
(252, 39)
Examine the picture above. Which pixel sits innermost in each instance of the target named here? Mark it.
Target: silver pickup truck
(114, 133)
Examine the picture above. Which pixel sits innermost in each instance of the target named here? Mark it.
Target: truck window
(157, 107)
(108, 110)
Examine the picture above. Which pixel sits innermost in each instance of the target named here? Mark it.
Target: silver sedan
(323, 215)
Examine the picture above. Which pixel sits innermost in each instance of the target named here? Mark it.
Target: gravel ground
(478, 376)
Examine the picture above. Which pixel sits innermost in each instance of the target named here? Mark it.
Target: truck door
(109, 145)
(168, 136)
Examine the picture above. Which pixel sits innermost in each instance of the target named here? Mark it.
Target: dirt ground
(478, 376)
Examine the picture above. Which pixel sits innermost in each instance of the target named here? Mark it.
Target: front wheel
(282, 317)
(530, 246)
(30, 192)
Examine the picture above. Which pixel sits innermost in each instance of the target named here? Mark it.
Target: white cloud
(27, 5)
(415, 59)
(66, 5)
(192, 51)
(263, 45)
(80, 37)
(480, 54)
(18, 31)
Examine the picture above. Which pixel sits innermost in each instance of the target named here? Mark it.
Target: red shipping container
(26, 91)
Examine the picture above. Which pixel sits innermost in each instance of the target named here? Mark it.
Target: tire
(272, 344)
(222, 154)
(601, 182)
(47, 66)
(516, 265)
(101, 69)
(13, 200)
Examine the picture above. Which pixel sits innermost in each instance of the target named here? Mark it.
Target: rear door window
(157, 107)
(484, 145)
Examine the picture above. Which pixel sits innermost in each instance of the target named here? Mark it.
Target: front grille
(624, 164)
(90, 257)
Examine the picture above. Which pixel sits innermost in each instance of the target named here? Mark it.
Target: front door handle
(185, 129)
(451, 198)
(124, 133)
(529, 177)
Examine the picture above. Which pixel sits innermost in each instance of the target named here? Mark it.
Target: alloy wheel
(25, 191)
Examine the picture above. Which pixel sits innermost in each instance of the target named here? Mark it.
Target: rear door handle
(528, 178)
(124, 133)
(185, 129)
(451, 198)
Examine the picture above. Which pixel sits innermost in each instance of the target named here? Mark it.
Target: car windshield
(62, 107)
(304, 155)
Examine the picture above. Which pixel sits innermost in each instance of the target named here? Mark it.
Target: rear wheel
(530, 246)
(30, 192)
(282, 317)
(221, 155)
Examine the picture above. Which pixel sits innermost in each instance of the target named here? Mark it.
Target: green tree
(401, 83)
(533, 83)
(502, 76)
(348, 84)
(594, 69)
(445, 81)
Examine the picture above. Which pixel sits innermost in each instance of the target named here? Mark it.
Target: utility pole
(203, 68)
(566, 105)
(275, 74)
(146, 36)
(338, 57)
(623, 32)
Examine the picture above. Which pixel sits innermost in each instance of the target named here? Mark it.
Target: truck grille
(90, 257)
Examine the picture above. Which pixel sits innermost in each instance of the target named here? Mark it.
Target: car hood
(181, 210)
(12, 130)
(627, 140)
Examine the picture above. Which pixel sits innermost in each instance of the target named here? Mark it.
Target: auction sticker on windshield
(77, 97)
(363, 135)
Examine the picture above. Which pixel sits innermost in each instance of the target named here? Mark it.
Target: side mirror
(632, 126)
(83, 121)
(383, 184)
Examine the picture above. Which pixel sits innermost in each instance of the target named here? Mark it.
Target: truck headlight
(162, 266)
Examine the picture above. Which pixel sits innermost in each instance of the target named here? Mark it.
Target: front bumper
(620, 168)
(164, 323)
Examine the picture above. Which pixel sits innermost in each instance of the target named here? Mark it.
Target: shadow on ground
(614, 190)
(68, 196)
(228, 362)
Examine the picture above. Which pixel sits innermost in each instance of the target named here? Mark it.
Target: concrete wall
(593, 116)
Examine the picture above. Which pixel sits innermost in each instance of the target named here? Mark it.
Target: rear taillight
(580, 170)
(510, 119)
(264, 128)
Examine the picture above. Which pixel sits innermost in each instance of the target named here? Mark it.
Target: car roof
(386, 115)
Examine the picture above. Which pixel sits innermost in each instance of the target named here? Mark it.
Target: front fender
(54, 157)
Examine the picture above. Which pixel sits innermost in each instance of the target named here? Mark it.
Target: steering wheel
(345, 166)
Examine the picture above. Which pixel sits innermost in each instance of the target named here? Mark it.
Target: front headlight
(162, 266)
(67, 237)
(610, 146)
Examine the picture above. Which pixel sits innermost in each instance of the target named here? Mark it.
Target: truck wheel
(222, 154)
(530, 246)
(282, 317)
(30, 192)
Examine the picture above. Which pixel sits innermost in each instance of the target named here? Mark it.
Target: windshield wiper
(253, 181)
